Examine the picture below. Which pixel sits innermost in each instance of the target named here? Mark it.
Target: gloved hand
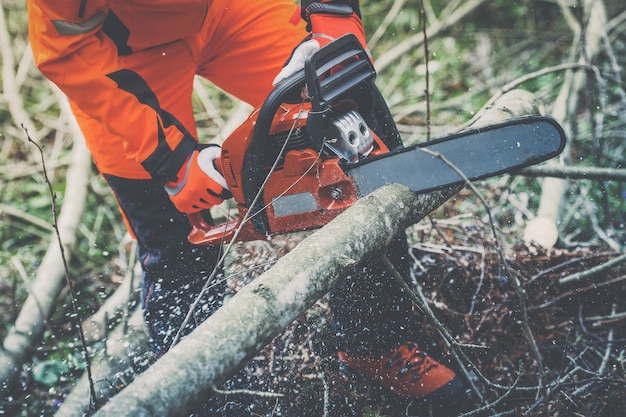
(327, 20)
(200, 185)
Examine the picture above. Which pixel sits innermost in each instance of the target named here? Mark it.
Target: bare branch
(9, 86)
(576, 173)
(444, 22)
(542, 229)
(394, 10)
(582, 276)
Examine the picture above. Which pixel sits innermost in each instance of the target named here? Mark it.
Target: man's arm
(72, 50)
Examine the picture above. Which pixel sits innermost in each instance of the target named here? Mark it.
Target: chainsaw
(296, 163)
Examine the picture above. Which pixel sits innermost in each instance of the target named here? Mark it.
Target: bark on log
(222, 344)
(509, 105)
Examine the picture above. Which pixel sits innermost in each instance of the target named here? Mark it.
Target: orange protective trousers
(128, 68)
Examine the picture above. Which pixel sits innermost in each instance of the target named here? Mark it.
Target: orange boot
(410, 372)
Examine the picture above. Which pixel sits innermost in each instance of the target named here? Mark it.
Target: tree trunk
(221, 345)
(543, 229)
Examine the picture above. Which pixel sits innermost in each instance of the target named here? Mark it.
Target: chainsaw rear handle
(352, 77)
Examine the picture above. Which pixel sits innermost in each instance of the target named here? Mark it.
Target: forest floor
(579, 331)
(579, 336)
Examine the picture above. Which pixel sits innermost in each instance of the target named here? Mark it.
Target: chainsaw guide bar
(469, 155)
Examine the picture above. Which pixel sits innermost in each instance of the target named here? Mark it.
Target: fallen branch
(576, 173)
(543, 230)
(261, 310)
(10, 211)
(585, 275)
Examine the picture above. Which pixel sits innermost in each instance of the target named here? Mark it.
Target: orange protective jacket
(71, 47)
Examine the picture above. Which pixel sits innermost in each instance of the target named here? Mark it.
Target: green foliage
(49, 372)
(369, 412)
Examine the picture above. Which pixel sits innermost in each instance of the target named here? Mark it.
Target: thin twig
(453, 13)
(609, 346)
(480, 282)
(563, 265)
(263, 394)
(511, 275)
(68, 279)
(25, 216)
(394, 10)
(326, 396)
(426, 63)
(498, 400)
(578, 290)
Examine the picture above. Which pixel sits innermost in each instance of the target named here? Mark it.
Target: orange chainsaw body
(283, 165)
